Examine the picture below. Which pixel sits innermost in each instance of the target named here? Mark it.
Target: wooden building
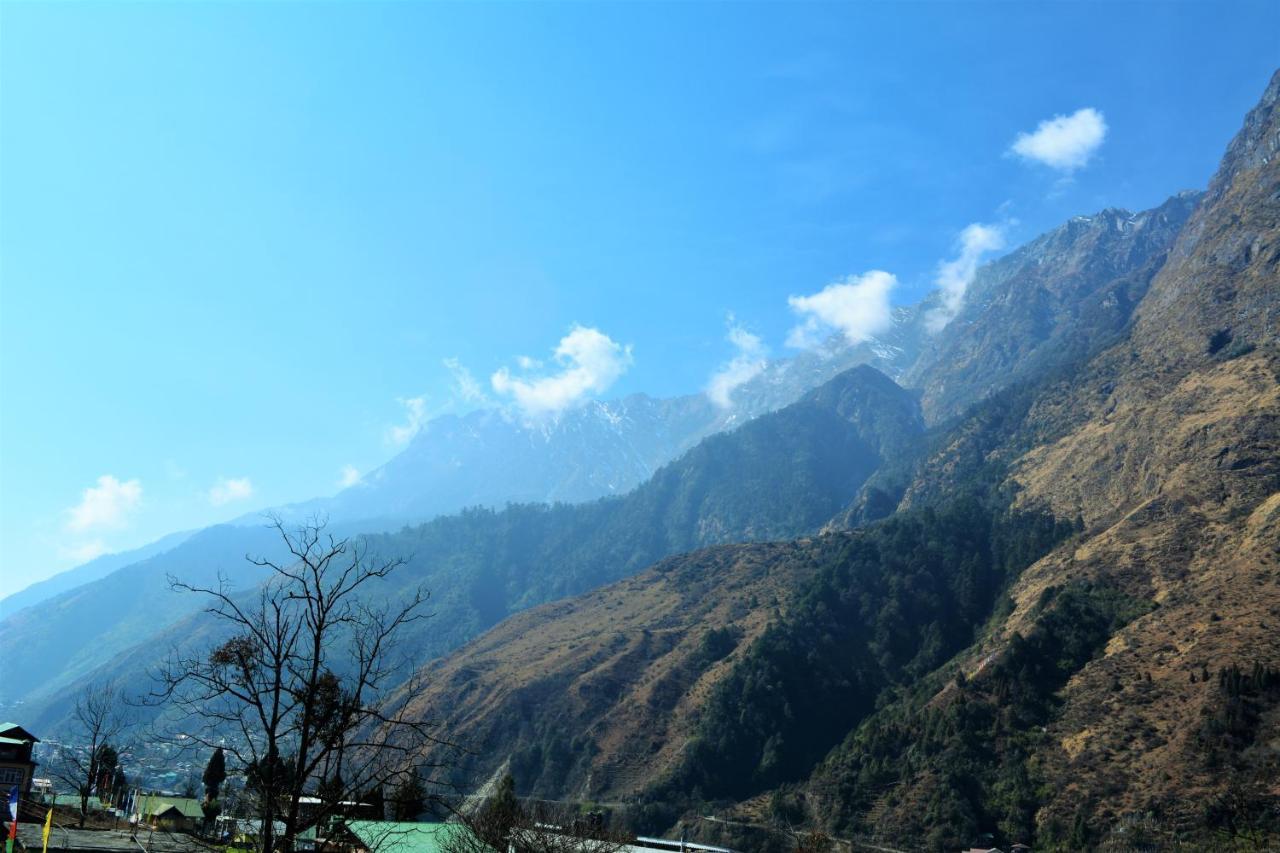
(16, 764)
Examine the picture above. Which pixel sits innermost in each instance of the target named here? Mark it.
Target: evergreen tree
(215, 772)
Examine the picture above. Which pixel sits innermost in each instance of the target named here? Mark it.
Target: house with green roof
(174, 814)
(385, 836)
(72, 801)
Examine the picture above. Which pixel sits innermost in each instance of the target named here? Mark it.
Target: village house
(16, 765)
(246, 832)
(384, 836)
(171, 814)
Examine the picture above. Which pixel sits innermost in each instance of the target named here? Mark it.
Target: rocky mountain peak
(1258, 142)
(1064, 293)
(1219, 295)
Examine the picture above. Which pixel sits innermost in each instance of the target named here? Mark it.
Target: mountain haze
(493, 456)
(780, 475)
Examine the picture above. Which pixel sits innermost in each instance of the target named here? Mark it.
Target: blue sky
(236, 238)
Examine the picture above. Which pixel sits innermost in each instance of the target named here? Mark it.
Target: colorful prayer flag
(13, 819)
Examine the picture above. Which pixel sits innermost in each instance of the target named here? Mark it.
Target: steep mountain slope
(1167, 447)
(1186, 505)
(593, 697)
(727, 670)
(777, 476)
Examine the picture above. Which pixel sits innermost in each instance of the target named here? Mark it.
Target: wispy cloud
(1064, 143)
(590, 362)
(229, 489)
(857, 307)
(83, 552)
(954, 276)
(106, 505)
(415, 412)
(748, 361)
(350, 476)
(465, 387)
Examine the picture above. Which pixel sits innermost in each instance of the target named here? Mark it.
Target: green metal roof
(150, 805)
(73, 800)
(384, 836)
(10, 728)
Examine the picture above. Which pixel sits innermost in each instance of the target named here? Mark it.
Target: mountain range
(1064, 633)
(1017, 578)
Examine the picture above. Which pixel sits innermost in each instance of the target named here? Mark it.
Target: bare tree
(100, 718)
(300, 691)
(501, 823)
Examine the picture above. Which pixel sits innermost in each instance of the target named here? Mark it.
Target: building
(172, 814)
(385, 836)
(171, 819)
(16, 765)
(245, 832)
(72, 801)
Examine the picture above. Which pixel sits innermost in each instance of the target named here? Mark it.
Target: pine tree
(215, 772)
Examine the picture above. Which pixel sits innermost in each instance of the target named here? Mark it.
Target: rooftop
(13, 730)
(155, 804)
(386, 836)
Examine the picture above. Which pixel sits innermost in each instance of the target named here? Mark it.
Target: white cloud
(590, 360)
(1064, 143)
(954, 276)
(83, 552)
(747, 363)
(415, 409)
(229, 489)
(106, 505)
(465, 386)
(350, 476)
(858, 307)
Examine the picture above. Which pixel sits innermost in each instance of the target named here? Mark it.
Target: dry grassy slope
(1168, 447)
(1181, 498)
(618, 668)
